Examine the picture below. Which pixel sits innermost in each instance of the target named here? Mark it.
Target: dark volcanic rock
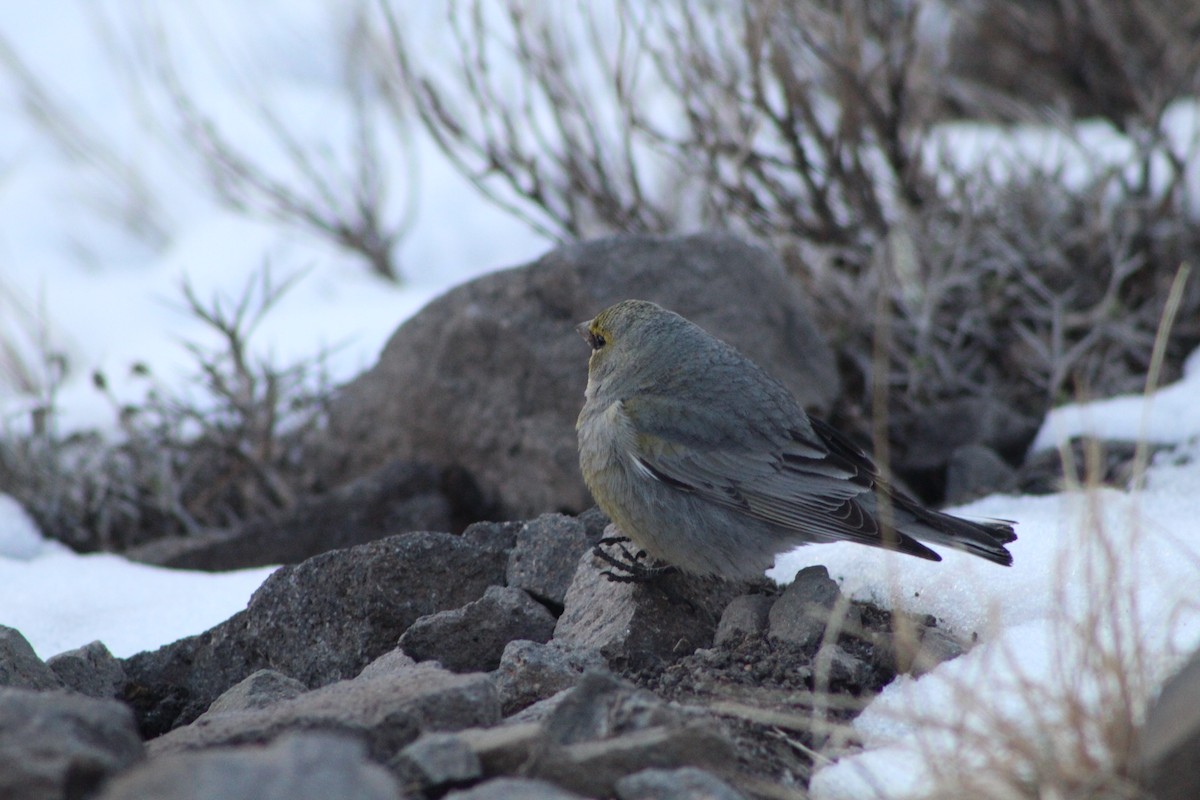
(61, 744)
(90, 670)
(1170, 742)
(514, 789)
(20, 665)
(387, 709)
(490, 375)
(318, 622)
(545, 555)
(437, 762)
(807, 606)
(744, 615)
(685, 783)
(260, 689)
(930, 439)
(472, 638)
(530, 671)
(975, 471)
(638, 624)
(399, 497)
(299, 766)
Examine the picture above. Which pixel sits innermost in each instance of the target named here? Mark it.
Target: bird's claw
(629, 567)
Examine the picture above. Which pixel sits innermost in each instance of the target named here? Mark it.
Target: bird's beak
(583, 329)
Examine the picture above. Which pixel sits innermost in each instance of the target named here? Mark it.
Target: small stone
(437, 762)
(91, 670)
(807, 606)
(262, 689)
(546, 554)
(532, 671)
(304, 765)
(685, 783)
(473, 638)
(20, 665)
(744, 616)
(1170, 739)
(937, 646)
(61, 744)
(514, 789)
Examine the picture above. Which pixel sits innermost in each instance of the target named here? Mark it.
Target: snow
(74, 282)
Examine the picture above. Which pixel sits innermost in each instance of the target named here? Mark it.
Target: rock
(473, 638)
(514, 789)
(504, 749)
(1091, 462)
(975, 471)
(936, 646)
(593, 768)
(91, 670)
(20, 666)
(436, 762)
(807, 606)
(1169, 746)
(399, 497)
(931, 438)
(387, 710)
(745, 615)
(261, 689)
(545, 555)
(56, 744)
(490, 375)
(531, 671)
(640, 624)
(319, 621)
(298, 766)
(493, 535)
(834, 667)
(602, 706)
(685, 783)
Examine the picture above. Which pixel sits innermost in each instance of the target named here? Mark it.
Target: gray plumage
(709, 464)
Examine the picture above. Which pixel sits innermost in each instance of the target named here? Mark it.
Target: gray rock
(975, 471)
(261, 689)
(298, 766)
(387, 710)
(602, 706)
(936, 647)
(807, 606)
(493, 535)
(473, 637)
(504, 749)
(90, 670)
(1169, 746)
(593, 768)
(20, 665)
(532, 671)
(490, 375)
(833, 666)
(685, 783)
(514, 789)
(318, 622)
(745, 615)
(56, 744)
(393, 662)
(931, 438)
(397, 497)
(545, 556)
(639, 624)
(436, 762)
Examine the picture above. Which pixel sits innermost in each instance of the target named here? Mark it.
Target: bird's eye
(596, 340)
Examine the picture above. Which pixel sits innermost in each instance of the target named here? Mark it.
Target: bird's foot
(627, 567)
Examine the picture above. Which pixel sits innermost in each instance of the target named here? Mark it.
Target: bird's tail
(985, 538)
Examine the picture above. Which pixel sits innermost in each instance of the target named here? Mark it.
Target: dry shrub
(209, 454)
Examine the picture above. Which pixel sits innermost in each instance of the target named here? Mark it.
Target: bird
(711, 466)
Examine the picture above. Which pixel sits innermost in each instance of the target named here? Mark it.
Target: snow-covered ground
(73, 283)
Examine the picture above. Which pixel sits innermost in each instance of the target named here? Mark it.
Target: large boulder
(490, 375)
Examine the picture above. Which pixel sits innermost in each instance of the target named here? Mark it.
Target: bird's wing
(803, 476)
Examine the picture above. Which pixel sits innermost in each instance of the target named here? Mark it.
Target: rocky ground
(495, 659)
(501, 662)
